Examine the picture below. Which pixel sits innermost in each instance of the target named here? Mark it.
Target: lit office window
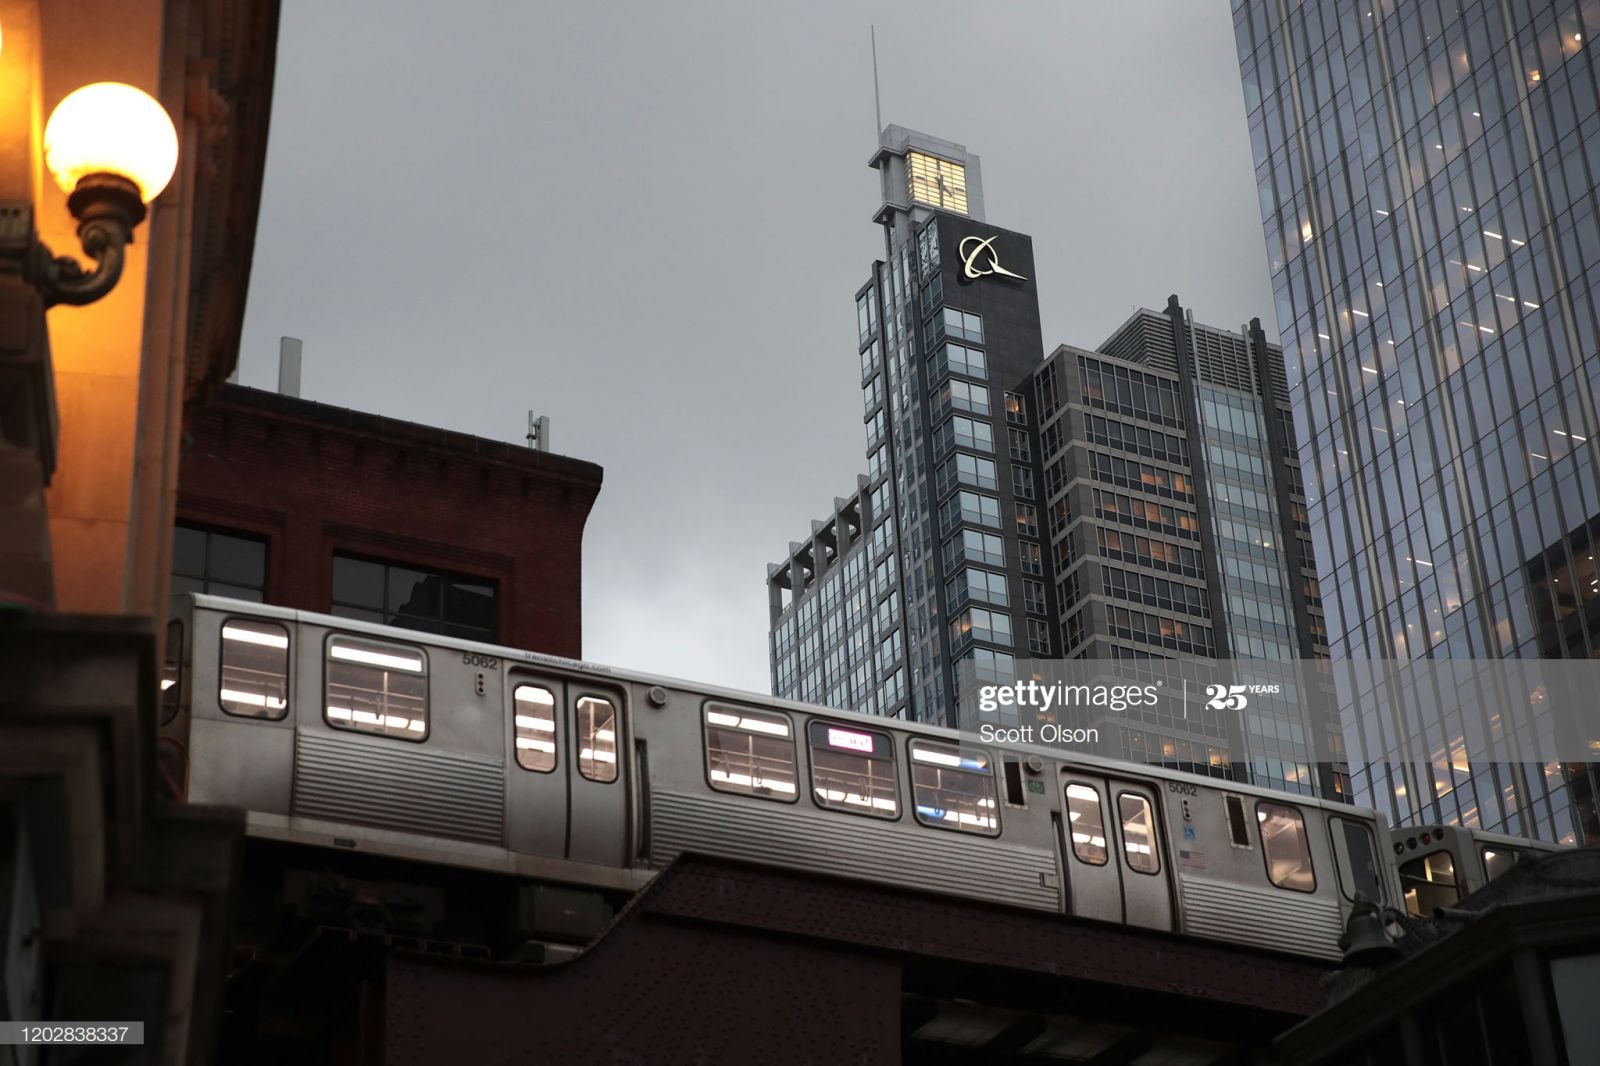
(979, 624)
(937, 182)
(414, 598)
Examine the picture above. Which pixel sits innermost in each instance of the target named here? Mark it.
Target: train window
(852, 770)
(750, 752)
(377, 687)
(953, 788)
(1015, 795)
(1285, 847)
(1497, 860)
(254, 679)
(1238, 824)
(172, 673)
(1138, 833)
(597, 739)
(1088, 824)
(1358, 862)
(1429, 881)
(534, 708)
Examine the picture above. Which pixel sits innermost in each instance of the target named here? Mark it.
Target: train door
(567, 797)
(1114, 854)
(536, 789)
(1146, 888)
(597, 826)
(1094, 887)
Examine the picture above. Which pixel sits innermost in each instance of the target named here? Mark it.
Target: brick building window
(222, 564)
(427, 600)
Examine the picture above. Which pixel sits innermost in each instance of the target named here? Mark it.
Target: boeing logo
(971, 248)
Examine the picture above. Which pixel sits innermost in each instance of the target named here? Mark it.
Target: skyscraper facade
(1177, 527)
(1141, 501)
(948, 318)
(1427, 176)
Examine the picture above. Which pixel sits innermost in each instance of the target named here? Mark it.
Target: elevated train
(377, 741)
(1441, 865)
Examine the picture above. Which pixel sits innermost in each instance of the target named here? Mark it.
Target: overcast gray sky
(647, 220)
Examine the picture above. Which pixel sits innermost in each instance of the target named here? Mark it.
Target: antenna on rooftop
(538, 432)
(289, 350)
(877, 101)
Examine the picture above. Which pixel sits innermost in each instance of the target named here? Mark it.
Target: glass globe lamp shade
(111, 128)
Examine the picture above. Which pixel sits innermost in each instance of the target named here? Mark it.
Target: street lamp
(112, 149)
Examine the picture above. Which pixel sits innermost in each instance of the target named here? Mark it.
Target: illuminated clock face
(937, 182)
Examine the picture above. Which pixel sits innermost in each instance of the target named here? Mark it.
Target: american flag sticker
(1194, 860)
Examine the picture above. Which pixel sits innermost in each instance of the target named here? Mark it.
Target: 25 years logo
(1226, 697)
(1236, 697)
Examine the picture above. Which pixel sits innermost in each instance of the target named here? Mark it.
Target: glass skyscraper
(1140, 501)
(878, 606)
(1427, 176)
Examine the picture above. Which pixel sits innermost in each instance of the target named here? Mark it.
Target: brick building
(305, 505)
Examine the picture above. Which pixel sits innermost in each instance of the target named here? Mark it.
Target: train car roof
(1098, 763)
(1481, 836)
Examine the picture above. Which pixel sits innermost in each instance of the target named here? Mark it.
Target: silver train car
(351, 737)
(1440, 865)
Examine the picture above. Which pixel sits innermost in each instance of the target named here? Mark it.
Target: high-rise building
(1176, 526)
(1137, 502)
(1428, 180)
(1427, 176)
(947, 318)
